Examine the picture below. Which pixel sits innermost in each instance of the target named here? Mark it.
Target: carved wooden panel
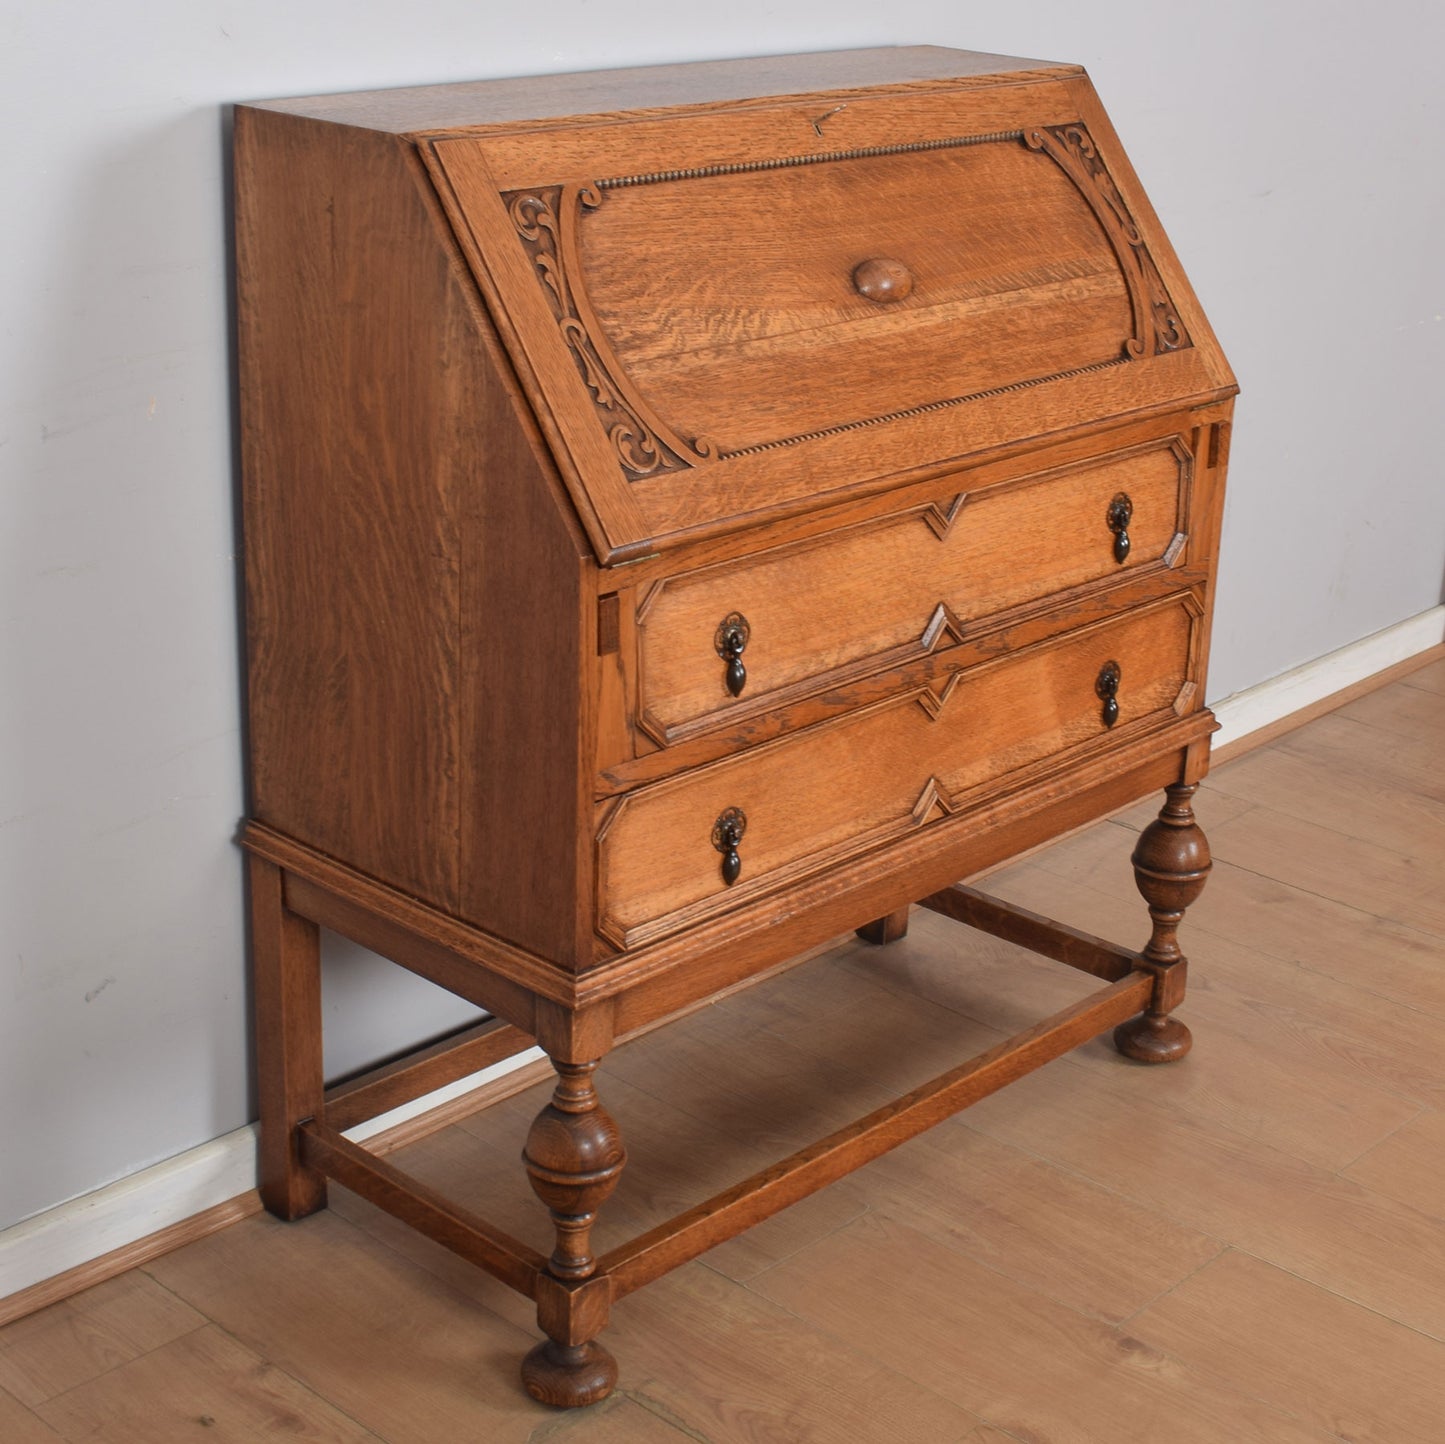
(748, 332)
(546, 220)
(692, 301)
(824, 612)
(1157, 327)
(828, 792)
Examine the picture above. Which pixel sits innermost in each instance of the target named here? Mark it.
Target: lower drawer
(817, 796)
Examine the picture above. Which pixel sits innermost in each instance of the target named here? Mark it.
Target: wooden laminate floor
(1247, 1246)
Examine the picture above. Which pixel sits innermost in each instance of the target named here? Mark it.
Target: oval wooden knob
(883, 279)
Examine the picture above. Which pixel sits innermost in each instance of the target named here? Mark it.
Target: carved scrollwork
(1080, 144)
(546, 220)
(1157, 325)
(1169, 332)
(536, 223)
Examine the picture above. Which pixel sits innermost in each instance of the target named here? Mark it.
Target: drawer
(821, 613)
(818, 796)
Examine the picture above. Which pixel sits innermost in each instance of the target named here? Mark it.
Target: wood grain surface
(838, 788)
(905, 585)
(353, 499)
(773, 379)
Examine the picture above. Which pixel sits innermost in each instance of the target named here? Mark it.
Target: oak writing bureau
(688, 513)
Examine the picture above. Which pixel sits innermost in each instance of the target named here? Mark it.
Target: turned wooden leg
(886, 929)
(574, 1155)
(1171, 864)
(286, 977)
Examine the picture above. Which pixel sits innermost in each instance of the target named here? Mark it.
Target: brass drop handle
(883, 279)
(727, 833)
(730, 640)
(1121, 513)
(1107, 686)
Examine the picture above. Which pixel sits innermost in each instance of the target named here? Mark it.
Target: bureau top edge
(589, 95)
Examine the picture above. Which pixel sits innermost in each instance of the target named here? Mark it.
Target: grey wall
(1292, 149)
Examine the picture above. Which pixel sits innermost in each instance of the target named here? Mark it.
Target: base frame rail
(574, 1299)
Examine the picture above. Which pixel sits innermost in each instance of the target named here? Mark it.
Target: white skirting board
(1280, 697)
(168, 1193)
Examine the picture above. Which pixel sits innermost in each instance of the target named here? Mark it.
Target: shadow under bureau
(690, 513)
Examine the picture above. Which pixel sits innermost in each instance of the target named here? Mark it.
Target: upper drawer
(727, 316)
(823, 612)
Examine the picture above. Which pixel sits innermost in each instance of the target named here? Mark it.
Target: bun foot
(1153, 1038)
(569, 1376)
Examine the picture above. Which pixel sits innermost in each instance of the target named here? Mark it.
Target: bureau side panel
(356, 362)
(529, 628)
